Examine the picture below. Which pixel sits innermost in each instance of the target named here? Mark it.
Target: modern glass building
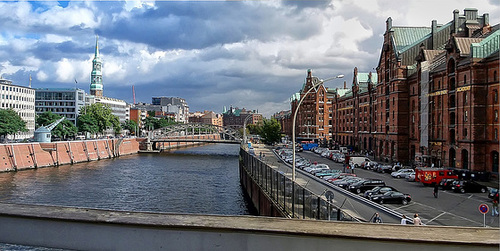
(66, 102)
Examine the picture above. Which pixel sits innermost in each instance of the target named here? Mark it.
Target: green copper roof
(488, 46)
(405, 37)
(295, 96)
(364, 78)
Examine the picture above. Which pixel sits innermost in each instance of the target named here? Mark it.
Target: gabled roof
(430, 55)
(464, 43)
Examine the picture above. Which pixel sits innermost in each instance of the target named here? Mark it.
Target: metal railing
(295, 200)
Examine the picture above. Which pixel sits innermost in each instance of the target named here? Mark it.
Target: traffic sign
(329, 196)
(483, 208)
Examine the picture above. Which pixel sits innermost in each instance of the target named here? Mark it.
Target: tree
(270, 131)
(97, 118)
(130, 125)
(63, 130)
(11, 123)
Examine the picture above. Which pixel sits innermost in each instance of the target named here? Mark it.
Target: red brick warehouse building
(437, 96)
(434, 98)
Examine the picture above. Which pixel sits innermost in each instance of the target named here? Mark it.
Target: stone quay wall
(22, 156)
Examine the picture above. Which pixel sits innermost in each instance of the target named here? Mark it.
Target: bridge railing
(295, 200)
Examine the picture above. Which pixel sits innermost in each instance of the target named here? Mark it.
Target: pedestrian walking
(436, 189)
(377, 218)
(494, 210)
(403, 220)
(416, 220)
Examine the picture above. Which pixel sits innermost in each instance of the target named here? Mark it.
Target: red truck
(432, 176)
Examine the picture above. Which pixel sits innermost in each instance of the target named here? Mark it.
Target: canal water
(200, 180)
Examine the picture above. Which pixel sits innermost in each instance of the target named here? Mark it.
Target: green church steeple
(96, 75)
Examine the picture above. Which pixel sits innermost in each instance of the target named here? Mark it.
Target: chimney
(434, 38)
(455, 21)
(486, 19)
(389, 24)
(344, 85)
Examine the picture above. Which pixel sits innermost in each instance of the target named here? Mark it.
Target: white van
(357, 161)
(344, 149)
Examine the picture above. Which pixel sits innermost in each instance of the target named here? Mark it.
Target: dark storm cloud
(302, 4)
(188, 25)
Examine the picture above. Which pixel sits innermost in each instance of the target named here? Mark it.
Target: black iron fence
(293, 199)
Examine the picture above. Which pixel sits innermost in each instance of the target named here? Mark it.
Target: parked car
(410, 177)
(362, 186)
(392, 197)
(493, 192)
(463, 186)
(378, 190)
(345, 183)
(401, 173)
(341, 176)
(326, 173)
(446, 184)
(384, 169)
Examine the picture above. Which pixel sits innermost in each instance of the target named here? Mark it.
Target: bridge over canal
(194, 133)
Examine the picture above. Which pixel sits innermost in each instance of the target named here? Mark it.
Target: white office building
(118, 107)
(22, 100)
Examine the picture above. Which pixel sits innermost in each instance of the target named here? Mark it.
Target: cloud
(251, 54)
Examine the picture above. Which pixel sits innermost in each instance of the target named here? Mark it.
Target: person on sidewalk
(403, 220)
(416, 220)
(436, 190)
(377, 218)
(494, 209)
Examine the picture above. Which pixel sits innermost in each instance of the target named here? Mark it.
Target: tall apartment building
(66, 102)
(22, 100)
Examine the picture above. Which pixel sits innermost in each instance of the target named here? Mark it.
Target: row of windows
(18, 106)
(44, 103)
(53, 109)
(20, 98)
(17, 89)
(58, 96)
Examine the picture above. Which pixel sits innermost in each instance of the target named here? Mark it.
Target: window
(496, 133)
(465, 98)
(495, 96)
(496, 115)
(465, 116)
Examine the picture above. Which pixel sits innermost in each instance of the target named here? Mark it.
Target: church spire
(96, 46)
(96, 87)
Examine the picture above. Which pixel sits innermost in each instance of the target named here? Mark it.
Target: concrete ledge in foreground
(92, 229)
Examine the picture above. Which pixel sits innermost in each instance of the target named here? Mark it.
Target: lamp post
(314, 86)
(245, 129)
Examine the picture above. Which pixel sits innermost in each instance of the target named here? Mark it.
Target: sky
(214, 54)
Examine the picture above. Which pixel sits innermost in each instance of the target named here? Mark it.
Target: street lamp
(314, 86)
(245, 129)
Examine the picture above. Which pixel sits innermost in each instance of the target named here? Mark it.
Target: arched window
(465, 116)
(465, 98)
(465, 79)
(452, 84)
(495, 96)
(496, 115)
(451, 65)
